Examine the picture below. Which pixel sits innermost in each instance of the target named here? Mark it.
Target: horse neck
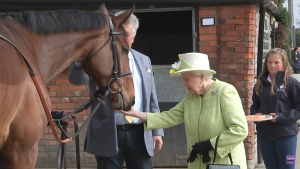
(55, 53)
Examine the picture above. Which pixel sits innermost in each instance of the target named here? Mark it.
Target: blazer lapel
(145, 78)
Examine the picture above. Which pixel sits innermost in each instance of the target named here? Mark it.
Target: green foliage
(298, 37)
(284, 40)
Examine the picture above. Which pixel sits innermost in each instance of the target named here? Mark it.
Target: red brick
(232, 55)
(49, 137)
(235, 10)
(78, 99)
(250, 45)
(244, 72)
(212, 55)
(85, 93)
(235, 44)
(250, 22)
(52, 94)
(212, 30)
(226, 60)
(53, 106)
(235, 21)
(249, 55)
(246, 27)
(244, 50)
(248, 77)
(244, 38)
(203, 31)
(64, 105)
(65, 100)
(245, 83)
(227, 38)
(246, 16)
(234, 66)
(81, 87)
(247, 61)
(227, 27)
(250, 10)
(52, 143)
(207, 12)
(64, 93)
(203, 43)
(228, 49)
(231, 77)
(64, 87)
(229, 72)
(245, 95)
(250, 33)
(208, 49)
(226, 16)
(235, 33)
(212, 61)
(62, 81)
(54, 88)
(208, 37)
(54, 99)
(212, 43)
(249, 66)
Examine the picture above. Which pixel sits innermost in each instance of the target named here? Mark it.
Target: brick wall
(65, 97)
(231, 47)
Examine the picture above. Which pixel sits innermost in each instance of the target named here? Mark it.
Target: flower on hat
(175, 66)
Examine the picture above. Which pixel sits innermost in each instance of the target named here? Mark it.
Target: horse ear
(103, 9)
(122, 18)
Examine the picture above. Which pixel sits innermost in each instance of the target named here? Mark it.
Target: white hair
(207, 75)
(133, 20)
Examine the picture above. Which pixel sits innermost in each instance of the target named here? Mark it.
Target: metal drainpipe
(261, 28)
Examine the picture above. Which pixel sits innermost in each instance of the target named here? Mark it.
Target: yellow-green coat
(219, 112)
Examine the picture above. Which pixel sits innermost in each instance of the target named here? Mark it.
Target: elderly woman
(211, 108)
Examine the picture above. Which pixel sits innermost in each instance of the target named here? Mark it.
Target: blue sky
(296, 10)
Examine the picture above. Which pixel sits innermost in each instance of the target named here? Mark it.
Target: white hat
(191, 62)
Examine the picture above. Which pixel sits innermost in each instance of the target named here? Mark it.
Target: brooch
(214, 91)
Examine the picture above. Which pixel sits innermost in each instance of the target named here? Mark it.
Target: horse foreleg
(22, 159)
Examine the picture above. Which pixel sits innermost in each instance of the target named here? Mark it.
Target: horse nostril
(133, 101)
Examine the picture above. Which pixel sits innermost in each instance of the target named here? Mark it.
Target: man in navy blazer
(110, 137)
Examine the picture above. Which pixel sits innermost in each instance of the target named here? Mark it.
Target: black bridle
(104, 92)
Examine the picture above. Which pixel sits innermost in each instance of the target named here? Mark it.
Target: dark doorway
(164, 35)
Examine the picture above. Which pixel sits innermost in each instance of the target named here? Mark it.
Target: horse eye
(126, 51)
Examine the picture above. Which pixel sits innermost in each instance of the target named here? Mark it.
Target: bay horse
(50, 41)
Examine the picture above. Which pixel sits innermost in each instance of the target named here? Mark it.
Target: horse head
(109, 65)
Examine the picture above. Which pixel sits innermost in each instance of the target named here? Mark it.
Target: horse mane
(56, 21)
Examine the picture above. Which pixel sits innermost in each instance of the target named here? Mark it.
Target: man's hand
(69, 118)
(157, 143)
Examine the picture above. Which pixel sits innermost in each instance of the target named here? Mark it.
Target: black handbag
(221, 166)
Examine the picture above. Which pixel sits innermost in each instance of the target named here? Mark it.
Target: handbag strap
(215, 152)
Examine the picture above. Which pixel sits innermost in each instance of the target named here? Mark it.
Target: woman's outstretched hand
(134, 113)
(131, 112)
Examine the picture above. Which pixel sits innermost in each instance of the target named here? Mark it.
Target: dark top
(57, 114)
(286, 107)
